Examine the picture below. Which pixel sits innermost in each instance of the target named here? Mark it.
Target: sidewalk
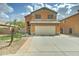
(25, 47)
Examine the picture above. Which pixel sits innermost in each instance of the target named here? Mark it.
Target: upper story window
(38, 16)
(50, 16)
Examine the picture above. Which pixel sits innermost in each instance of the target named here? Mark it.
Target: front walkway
(62, 45)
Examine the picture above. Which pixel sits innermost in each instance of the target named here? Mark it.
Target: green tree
(16, 24)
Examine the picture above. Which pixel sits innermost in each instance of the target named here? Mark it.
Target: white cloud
(30, 8)
(64, 7)
(18, 17)
(67, 5)
(3, 15)
(37, 5)
(51, 7)
(56, 5)
(55, 9)
(48, 6)
(60, 16)
(71, 5)
(69, 11)
(23, 14)
(5, 8)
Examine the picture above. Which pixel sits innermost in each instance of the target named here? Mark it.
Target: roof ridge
(43, 8)
(40, 9)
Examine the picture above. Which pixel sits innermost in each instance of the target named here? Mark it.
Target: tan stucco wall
(58, 28)
(44, 14)
(71, 22)
(27, 19)
(32, 28)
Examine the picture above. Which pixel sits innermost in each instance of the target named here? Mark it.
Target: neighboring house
(5, 28)
(70, 25)
(42, 22)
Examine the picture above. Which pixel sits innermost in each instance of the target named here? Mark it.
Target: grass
(8, 37)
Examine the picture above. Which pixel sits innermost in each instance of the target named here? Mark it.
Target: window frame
(38, 16)
(50, 16)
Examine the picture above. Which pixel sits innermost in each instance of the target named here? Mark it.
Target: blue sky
(11, 11)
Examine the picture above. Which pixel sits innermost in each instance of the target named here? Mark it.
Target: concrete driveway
(61, 45)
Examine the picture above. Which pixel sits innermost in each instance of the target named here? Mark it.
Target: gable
(44, 13)
(44, 9)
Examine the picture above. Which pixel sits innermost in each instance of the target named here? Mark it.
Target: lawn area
(8, 36)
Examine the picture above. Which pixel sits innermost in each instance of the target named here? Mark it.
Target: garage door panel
(44, 30)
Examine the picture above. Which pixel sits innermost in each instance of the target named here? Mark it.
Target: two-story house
(42, 22)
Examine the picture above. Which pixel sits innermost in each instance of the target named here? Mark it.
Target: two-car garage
(44, 28)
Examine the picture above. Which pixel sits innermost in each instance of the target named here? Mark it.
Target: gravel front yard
(11, 49)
